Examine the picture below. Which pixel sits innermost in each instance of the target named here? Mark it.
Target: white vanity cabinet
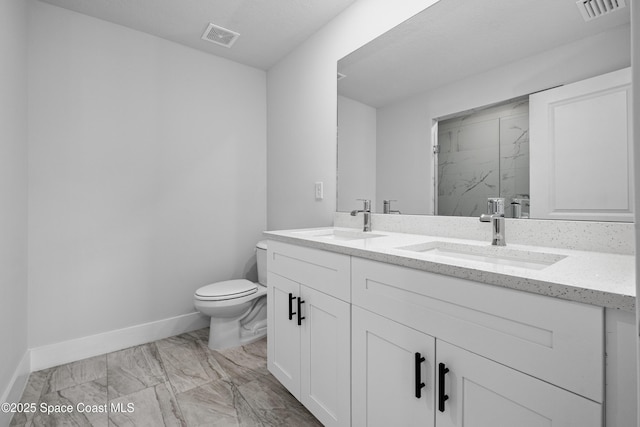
(392, 373)
(404, 377)
(367, 343)
(309, 323)
(500, 357)
(481, 392)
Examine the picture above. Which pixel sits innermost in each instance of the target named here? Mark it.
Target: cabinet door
(558, 341)
(325, 357)
(581, 150)
(385, 370)
(485, 393)
(283, 345)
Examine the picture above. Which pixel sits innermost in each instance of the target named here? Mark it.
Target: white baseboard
(16, 386)
(95, 345)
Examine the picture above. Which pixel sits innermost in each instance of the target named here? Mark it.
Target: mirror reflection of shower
(484, 153)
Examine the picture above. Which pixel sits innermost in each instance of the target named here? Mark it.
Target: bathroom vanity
(387, 328)
(421, 321)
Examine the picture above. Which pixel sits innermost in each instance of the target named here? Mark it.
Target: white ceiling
(269, 29)
(455, 39)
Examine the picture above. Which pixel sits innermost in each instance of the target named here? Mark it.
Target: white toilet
(238, 308)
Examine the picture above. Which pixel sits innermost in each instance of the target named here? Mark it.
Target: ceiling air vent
(219, 35)
(592, 9)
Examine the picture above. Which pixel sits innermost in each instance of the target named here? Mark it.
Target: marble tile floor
(176, 381)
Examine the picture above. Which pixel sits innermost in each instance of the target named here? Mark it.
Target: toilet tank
(261, 256)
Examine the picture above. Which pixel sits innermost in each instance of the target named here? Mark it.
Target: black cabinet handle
(300, 302)
(418, 365)
(291, 312)
(442, 397)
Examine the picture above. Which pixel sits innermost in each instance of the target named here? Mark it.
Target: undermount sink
(487, 254)
(333, 234)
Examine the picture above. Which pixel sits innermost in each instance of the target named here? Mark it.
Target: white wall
(635, 87)
(302, 112)
(404, 129)
(401, 131)
(13, 191)
(147, 174)
(356, 154)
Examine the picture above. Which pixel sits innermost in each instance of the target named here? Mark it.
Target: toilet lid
(228, 289)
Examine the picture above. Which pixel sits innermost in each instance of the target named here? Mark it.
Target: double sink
(440, 250)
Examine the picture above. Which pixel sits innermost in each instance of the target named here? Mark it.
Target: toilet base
(234, 332)
(229, 334)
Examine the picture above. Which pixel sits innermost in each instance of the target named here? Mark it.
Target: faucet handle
(386, 204)
(367, 204)
(495, 206)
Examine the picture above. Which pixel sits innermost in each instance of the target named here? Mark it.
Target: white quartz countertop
(597, 278)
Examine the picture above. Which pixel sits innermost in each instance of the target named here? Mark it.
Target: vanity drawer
(558, 341)
(324, 271)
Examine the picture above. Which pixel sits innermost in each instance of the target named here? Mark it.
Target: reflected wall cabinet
(581, 150)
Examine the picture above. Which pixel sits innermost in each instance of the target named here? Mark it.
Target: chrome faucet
(519, 203)
(367, 214)
(495, 215)
(386, 207)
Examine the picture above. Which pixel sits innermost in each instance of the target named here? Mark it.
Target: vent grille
(220, 36)
(592, 9)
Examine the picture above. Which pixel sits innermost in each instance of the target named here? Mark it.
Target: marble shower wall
(483, 154)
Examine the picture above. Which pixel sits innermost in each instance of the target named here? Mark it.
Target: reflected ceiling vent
(592, 9)
(341, 76)
(220, 36)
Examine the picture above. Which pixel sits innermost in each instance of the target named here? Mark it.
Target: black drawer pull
(300, 302)
(291, 312)
(442, 397)
(418, 365)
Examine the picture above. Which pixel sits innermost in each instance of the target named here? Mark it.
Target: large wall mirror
(434, 114)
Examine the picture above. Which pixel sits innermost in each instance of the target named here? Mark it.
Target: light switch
(319, 191)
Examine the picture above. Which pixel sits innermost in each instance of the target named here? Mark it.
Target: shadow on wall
(251, 269)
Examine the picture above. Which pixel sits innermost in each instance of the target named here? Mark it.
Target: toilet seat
(226, 290)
